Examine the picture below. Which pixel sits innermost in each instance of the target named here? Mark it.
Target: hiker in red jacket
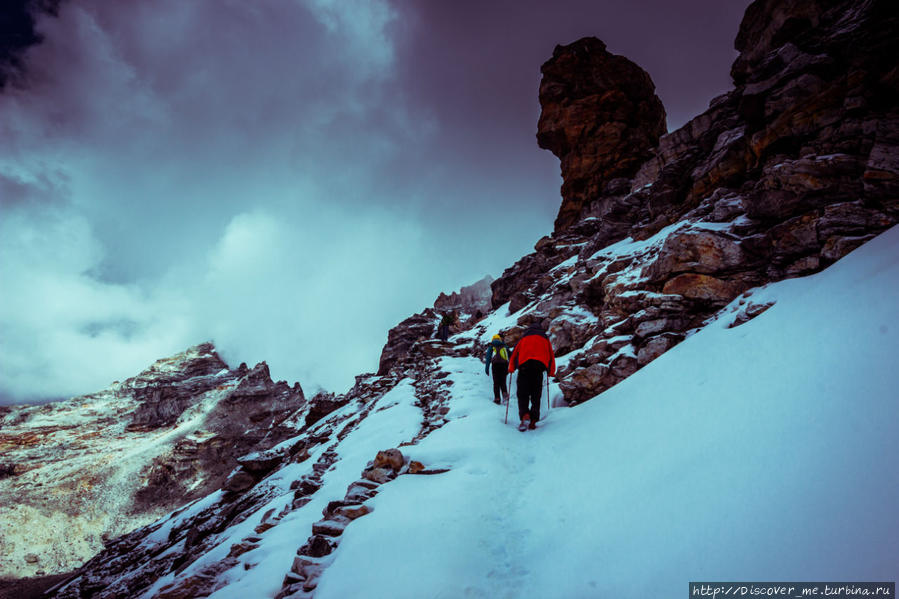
(533, 355)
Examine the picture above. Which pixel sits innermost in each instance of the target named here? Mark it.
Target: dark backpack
(500, 355)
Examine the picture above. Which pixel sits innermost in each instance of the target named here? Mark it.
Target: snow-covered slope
(762, 451)
(766, 451)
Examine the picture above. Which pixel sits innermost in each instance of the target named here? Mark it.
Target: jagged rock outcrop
(782, 176)
(601, 117)
(471, 299)
(170, 386)
(82, 471)
(468, 305)
(403, 336)
(322, 404)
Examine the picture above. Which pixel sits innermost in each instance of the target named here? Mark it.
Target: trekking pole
(508, 400)
(547, 393)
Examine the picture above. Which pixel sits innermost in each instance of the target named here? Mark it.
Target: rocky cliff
(467, 306)
(77, 473)
(780, 177)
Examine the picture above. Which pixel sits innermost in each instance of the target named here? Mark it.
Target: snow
(568, 263)
(394, 418)
(710, 226)
(499, 320)
(629, 247)
(761, 452)
(179, 516)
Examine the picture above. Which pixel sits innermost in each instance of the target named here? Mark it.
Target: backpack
(500, 355)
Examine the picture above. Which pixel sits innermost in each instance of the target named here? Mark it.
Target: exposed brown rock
(656, 346)
(330, 528)
(389, 458)
(75, 472)
(600, 116)
(793, 168)
(322, 404)
(703, 287)
(471, 299)
(378, 475)
(241, 480)
(698, 251)
(351, 512)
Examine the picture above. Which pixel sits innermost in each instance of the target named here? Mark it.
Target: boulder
(836, 247)
(351, 512)
(259, 463)
(698, 251)
(240, 481)
(654, 347)
(401, 338)
(703, 287)
(379, 475)
(389, 458)
(330, 528)
(322, 404)
(317, 546)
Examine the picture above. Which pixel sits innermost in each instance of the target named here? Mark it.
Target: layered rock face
(468, 300)
(308, 488)
(600, 116)
(782, 176)
(74, 474)
(469, 305)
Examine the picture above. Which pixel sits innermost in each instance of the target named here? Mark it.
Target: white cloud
(63, 331)
(242, 172)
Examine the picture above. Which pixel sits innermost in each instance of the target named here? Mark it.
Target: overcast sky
(287, 178)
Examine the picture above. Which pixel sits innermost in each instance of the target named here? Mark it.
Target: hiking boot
(496, 400)
(524, 423)
(532, 425)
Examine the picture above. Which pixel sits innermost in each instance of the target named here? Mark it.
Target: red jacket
(533, 346)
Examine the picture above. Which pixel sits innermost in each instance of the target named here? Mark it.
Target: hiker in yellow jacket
(498, 357)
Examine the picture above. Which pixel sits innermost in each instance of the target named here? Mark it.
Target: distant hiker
(498, 356)
(448, 320)
(532, 357)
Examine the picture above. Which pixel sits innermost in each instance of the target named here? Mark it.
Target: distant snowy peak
(102, 464)
(199, 360)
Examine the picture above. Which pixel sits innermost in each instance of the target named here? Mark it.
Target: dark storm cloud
(288, 179)
(472, 70)
(17, 34)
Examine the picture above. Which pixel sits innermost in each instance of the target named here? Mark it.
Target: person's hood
(535, 329)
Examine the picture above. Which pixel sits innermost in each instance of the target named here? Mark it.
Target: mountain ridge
(779, 178)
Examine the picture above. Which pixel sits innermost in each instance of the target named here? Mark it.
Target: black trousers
(499, 379)
(530, 384)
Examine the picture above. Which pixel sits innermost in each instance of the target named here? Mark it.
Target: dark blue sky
(289, 179)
